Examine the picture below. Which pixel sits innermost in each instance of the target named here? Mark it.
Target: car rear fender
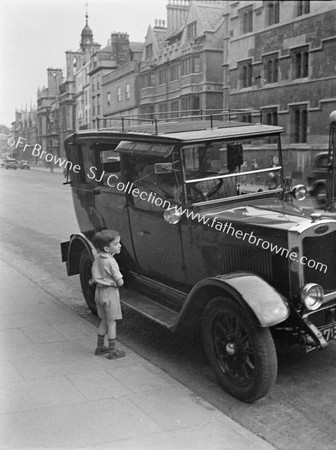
(72, 249)
(268, 307)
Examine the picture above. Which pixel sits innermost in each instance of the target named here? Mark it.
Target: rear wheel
(85, 264)
(241, 353)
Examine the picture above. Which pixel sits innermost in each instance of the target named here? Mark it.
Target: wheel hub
(230, 348)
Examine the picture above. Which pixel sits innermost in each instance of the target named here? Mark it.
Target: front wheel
(241, 353)
(85, 264)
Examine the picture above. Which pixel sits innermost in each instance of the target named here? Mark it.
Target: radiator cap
(315, 216)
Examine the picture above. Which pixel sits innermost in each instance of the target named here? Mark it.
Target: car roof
(181, 132)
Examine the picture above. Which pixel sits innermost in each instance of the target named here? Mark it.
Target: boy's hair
(103, 238)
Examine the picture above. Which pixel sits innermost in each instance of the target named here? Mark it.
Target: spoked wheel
(85, 264)
(242, 354)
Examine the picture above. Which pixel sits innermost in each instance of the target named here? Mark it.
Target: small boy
(105, 272)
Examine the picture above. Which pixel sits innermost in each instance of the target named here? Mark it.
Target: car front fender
(250, 291)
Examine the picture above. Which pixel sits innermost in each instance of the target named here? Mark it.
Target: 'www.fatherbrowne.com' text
(151, 197)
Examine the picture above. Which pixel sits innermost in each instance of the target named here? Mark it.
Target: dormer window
(191, 30)
(149, 50)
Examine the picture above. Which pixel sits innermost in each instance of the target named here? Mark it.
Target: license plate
(328, 332)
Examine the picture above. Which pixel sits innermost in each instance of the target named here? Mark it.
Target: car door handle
(142, 233)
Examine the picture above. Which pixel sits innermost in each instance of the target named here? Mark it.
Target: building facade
(25, 127)
(279, 57)
(48, 113)
(120, 86)
(181, 66)
(78, 64)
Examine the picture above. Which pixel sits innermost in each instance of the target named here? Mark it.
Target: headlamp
(312, 296)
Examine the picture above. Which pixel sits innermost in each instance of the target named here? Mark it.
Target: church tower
(86, 35)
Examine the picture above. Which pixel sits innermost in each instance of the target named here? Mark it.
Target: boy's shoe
(115, 354)
(101, 350)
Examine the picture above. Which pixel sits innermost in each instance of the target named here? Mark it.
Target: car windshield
(229, 168)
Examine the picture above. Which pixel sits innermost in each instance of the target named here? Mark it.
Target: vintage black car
(23, 164)
(11, 163)
(211, 239)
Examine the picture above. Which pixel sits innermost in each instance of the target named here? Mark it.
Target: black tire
(241, 353)
(85, 264)
(321, 195)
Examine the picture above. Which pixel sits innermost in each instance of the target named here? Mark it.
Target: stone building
(181, 66)
(5, 148)
(279, 57)
(48, 117)
(25, 127)
(78, 67)
(120, 86)
(103, 62)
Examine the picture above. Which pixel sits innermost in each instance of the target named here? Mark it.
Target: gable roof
(211, 16)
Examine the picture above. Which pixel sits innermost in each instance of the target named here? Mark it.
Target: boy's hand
(91, 282)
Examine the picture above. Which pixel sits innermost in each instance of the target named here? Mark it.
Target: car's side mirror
(172, 215)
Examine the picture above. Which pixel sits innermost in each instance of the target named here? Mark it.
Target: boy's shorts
(108, 303)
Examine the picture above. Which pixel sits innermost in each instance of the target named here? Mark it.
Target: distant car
(317, 178)
(24, 165)
(2, 163)
(11, 163)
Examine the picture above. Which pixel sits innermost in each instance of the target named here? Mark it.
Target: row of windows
(187, 66)
(186, 106)
(272, 14)
(300, 68)
(190, 105)
(93, 83)
(119, 94)
(96, 105)
(298, 119)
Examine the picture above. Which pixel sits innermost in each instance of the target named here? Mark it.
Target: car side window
(158, 182)
(110, 166)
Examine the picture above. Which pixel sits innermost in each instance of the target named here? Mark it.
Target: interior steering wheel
(205, 195)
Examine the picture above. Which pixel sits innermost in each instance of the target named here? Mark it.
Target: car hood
(274, 215)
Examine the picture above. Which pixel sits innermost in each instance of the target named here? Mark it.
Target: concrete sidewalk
(56, 393)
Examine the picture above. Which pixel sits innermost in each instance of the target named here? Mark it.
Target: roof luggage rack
(153, 124)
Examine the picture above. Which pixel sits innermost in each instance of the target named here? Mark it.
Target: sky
(34, 35)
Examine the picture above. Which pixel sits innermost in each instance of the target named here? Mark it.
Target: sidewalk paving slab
(54, 393)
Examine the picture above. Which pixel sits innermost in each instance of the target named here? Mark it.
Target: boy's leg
(102, 330)
(112, 334)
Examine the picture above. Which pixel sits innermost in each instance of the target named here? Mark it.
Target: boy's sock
(112, 344)
(101, 348)
(113, 352)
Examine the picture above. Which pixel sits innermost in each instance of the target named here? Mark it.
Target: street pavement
(56, 394)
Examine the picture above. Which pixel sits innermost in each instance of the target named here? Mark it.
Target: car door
(157, 244)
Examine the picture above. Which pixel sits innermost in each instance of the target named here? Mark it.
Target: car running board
(146, 307)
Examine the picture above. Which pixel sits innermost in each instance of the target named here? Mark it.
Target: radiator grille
(321, 249)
